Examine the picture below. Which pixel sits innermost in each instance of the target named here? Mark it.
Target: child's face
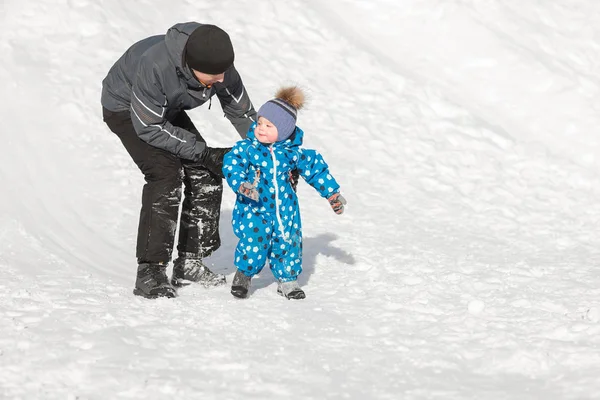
(265, 131)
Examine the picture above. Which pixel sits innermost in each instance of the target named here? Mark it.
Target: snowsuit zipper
(284, 235)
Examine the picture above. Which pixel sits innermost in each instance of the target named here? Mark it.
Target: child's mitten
(337, 202)
(249, 190)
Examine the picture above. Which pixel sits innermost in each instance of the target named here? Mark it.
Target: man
(144, 97)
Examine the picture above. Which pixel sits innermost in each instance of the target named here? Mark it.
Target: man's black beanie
(209, 50)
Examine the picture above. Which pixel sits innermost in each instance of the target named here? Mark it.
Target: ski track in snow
(464, 266)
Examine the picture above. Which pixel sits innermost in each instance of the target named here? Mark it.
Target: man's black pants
(161, 196)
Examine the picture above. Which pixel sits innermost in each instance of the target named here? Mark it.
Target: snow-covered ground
(464, 135)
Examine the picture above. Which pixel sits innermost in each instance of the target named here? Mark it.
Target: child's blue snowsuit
(270, 228)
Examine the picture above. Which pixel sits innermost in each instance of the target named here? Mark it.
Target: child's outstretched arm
(315, 172)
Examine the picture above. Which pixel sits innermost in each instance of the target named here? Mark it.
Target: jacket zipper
(284, 235)
(209, 99)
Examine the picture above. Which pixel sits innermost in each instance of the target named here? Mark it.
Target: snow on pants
(164, 174)
(261, 240)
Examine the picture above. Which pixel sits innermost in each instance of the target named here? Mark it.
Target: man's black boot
(152, 282)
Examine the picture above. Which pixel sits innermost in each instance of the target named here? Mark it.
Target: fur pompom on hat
(282, 111)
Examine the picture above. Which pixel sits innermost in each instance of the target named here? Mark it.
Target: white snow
(466, 266)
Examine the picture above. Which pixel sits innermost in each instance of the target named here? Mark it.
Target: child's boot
(240, 285)
(290, 290)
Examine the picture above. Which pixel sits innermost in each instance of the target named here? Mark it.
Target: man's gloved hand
(337, 202)
(294, 177)
(212, 159)
(249, 190)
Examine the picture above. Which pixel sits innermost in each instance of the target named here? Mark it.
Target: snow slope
(464, 135)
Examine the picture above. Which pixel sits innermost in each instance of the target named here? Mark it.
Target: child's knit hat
(282, 110)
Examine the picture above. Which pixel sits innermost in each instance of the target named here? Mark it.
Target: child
(266, 216)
